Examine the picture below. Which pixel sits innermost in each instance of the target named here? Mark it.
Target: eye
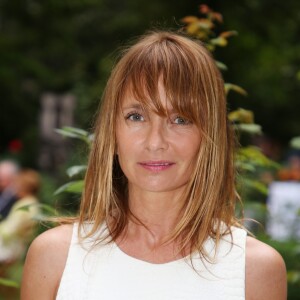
(181, 121)
(135, 117)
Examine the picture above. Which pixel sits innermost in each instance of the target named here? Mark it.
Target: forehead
(158, 101)
(160, 93)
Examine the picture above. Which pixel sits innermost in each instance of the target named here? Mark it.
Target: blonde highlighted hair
(195, 88)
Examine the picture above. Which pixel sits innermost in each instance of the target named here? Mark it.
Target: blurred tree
(63, 46)
(66, 46)
(265, 60)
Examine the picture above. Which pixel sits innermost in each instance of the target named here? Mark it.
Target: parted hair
(195, 88)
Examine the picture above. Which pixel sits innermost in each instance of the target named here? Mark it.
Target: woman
(17, 229)
(157, 213)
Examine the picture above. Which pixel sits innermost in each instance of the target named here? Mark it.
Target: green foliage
(233, 87)
(9, 283)
(71, 187)
(75, 186)
(255, 156)
(248, 158)
(75, 170)
(76, 133)
(63, 47)
(265, 61)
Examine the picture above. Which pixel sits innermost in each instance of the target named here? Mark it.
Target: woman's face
(156, 153)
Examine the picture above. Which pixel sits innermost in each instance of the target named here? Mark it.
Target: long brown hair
(195, 88)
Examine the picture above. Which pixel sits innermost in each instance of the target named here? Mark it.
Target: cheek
(190, 146)
(122, 143)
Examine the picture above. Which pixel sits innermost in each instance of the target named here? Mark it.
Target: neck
(149, 237)
(157, 212)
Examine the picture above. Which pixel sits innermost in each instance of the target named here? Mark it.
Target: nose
(156, 138)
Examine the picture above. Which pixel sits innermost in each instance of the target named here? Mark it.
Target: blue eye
(135, 117)
(181, 121)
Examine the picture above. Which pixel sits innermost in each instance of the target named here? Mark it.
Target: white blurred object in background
(284, 207)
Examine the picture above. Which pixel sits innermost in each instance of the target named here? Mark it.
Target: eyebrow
(134, 105)
(138, 106)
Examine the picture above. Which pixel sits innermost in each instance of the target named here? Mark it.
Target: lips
(156, 166)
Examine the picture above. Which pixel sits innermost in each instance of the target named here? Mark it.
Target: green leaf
(9, 283)
(189, 19)
(257, 185)
(25, 207)
(76, 133)
(233, 87)
(227, 34)
(205, 24)
(295, 142)
(245, 166)
(249, 128)
(42, 206)
(254, 156)
(71, 187)
(293, 276)
(75, 170)
(241, 116)
(47, 208)
(219, 41)
(221, 66)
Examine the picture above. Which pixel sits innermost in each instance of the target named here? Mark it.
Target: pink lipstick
(156, 166)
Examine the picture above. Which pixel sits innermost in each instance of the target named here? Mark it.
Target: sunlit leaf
(219, 41)
(221, 66)
(76, 170)
(76, 133)
(72, 132)
(210, 47)
(44, 207)
(9, 283)
(254, 155)
(71, 187)
(249, 128)
(233, 87)
(25, 207)
(227, 34)
(193, 28)
(245, 166)
(241, 116)
(200, 29)
(205, 23)
(189, 19)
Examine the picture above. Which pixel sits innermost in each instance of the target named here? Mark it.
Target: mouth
(156, 166)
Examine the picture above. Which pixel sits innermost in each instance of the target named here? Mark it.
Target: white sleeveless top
(106, 272)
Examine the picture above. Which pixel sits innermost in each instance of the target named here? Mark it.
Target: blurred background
(55, 57)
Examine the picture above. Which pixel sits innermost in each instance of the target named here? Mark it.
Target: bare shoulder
(45, 263)
(265, 272)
